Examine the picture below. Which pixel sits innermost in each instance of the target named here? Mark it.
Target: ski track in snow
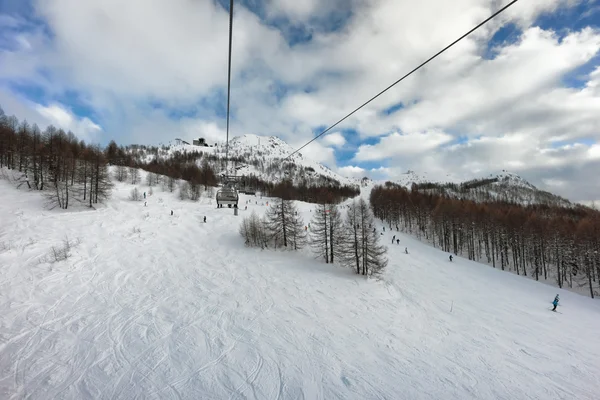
(156, 306)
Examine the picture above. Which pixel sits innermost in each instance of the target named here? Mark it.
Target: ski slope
(154, 306)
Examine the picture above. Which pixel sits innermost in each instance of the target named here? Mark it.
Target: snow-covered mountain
(262, 156)
(265, 158)
(505, 186)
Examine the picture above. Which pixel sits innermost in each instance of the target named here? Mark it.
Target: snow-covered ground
(154, 306)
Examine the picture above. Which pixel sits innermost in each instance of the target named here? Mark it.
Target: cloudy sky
(521, 94)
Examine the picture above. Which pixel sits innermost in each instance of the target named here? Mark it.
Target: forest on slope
(544, 242)
(67, 169)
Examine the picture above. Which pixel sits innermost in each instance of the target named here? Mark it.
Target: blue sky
(521, 94)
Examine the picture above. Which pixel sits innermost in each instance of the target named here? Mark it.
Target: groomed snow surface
(154, 306)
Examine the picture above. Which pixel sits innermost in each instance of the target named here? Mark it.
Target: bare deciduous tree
(361, 246)
(284, 225)
(134, 173)
(121, 173)
(254, 232)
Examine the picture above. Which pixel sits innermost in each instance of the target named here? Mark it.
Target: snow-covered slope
(263, 156)
(505, 186)
(156, 306)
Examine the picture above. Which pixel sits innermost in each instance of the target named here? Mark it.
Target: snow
(267, 149)
(156, 306)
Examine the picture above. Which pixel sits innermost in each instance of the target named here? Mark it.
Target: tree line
(54, 161)
(545, 242)
(481, 190)
(184, 165)
(68, 169)
(351, 240)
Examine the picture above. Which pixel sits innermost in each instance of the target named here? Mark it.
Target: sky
(521, 94)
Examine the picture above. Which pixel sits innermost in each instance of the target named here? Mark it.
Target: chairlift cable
(405, 76)
(229, 85)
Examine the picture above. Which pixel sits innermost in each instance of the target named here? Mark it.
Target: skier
(555, 303)
(398, 242)
(171, 212)
(406, 250)
(450, 257)
(205, 219)
(384, 228)
(144, 194)
(393, 239)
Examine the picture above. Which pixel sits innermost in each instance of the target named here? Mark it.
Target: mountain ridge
(266, 157)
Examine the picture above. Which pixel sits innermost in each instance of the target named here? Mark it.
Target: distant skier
(171, 212)
(205, 219)
(393, 239)
(555, 303)
(450, 257)
(384, 228)
(406, 250)
(144, 194)
(398, 242)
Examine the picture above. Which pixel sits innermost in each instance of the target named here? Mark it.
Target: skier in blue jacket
(555, 303)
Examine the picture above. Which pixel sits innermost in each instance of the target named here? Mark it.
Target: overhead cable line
(405, 76)
(229, 85)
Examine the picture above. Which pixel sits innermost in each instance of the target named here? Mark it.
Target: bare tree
(134, 195)
(134, 173)
(326, 232)
(253, 230)
(121, 173)
(184, 190)
(336, 233)
(193, 190)
(151, 179)
(284, 225)
(361, 246)
(171, 183)
(319, 232)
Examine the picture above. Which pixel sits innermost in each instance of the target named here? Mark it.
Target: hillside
(155, 306)
(262, 156)
(505, 187)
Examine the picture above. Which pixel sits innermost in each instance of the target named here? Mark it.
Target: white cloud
(294, 9)
(351, 171)
(318, 152)
(403, 145)
(60, 117)
(54, 114)
(334, 139)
